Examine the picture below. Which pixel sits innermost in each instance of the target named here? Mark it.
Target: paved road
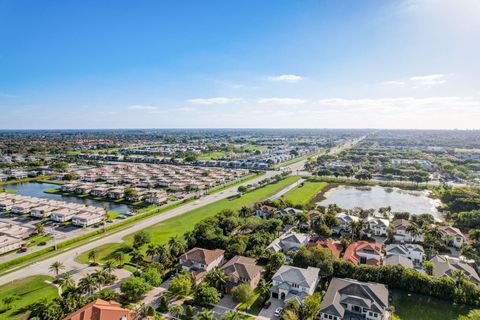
(68, 257)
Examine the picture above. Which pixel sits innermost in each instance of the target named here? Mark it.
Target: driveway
(224, 305)
(269, 313)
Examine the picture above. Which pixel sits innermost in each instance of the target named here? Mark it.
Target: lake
(35, 189)
(375, 197)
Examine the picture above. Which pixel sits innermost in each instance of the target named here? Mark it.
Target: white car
(278, 312)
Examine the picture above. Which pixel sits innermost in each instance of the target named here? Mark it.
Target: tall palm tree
(109, 266)
(244, 211)
(56, 267)
(66, 281)
(459, 276)
(177, 246)
(119, 257)
(88, 284)
(100, 278)
(39, 228)
(413, 230)
(92, 256)
(216, 278)
(152, 250)
(264, 289)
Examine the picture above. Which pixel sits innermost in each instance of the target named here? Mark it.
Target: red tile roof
(102, 310)
(334, 247)
(351, 254)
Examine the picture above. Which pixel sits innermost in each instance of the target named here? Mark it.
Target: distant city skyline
(410, 64)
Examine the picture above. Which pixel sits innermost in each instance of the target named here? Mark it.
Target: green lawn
(212, 155)
(304, 194)
(35, 240)
(178, 225)
(234, 183)
(253, 305)
(411, 306)
(28, 290)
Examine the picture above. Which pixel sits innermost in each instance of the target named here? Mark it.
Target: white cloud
(416, 82)
(281, 101)
(403, 103)
(142, 107)
(290, 78)
(216, 100)
(428, 80)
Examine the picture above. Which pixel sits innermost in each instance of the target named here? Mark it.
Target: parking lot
(270, 312)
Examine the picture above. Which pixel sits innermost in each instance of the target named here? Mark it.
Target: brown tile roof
(102, 310)
(203, 256)
(351, 252)
(241, 267)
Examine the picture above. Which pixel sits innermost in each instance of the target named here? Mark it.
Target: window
(363, 260)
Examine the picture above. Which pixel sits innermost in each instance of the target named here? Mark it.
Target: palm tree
(264, 289)
(39, 228)
(152, 250)
(56, 267)
(244, 211)
(119, 257)
(66, 281)
(100, 278)
(413, 230)
(177, 246)
(205, 315)
(88, 284)
(109, 266)
(92, 256)
(216, 278)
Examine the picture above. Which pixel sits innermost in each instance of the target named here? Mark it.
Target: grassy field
(304, 194)
(411, 306)
(234, 183)
(178, 225)
(28, 291)
(212, 155)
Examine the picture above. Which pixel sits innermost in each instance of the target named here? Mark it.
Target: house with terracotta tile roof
(241, 269)
(103, 310)
(335, 247)
(200, 261)
(363, 252)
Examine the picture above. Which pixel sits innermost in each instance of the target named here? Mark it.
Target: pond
(35, 189)
(375, 197)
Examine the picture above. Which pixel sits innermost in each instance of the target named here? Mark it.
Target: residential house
(62, 215)
(363, 252)
(241, 269)
(413, 252)
(452, 236)
(348, 299)
(344, 221)
(103, 310)
(444, 265)
(288, 241)
(265, 212)
(200, 261)
(335, 247)
(377, 226)
(292, 283)
(8, 244)
(86, 219)
(395, 260)
(401, 232)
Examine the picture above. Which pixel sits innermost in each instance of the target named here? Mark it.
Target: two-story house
(402, 233)
(413, 252)
(352, 299)
(344, 221)
(200, 261)
(241, 269)
(288, 241)
(377, 226)
(294, 283)
(363, 252)
(452, 236)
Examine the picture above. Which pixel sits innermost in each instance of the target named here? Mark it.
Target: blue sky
(203, 64)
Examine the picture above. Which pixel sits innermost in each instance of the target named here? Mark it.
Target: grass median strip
(177, 226)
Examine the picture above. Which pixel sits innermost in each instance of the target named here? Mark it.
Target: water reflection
(34, 189)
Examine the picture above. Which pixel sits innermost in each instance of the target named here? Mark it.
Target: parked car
(267, 304)
(278, 312)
